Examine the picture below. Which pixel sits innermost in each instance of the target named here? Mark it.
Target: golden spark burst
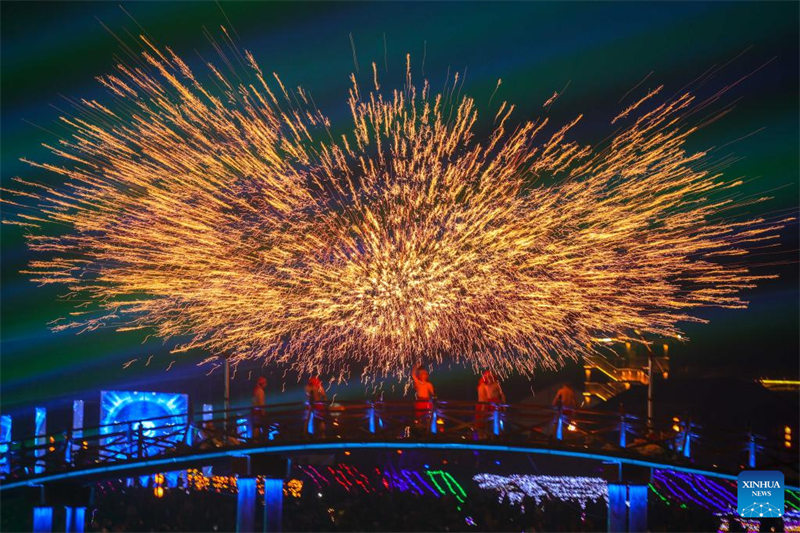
(228, 217)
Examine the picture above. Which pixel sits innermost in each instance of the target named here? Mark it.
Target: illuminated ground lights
(229, 214)
(427, 482)
(716, 496)
(581, 490)
(347, 477)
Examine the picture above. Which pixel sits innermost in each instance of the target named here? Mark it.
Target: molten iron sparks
(228, 216)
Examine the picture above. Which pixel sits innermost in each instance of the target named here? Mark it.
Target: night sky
(51, 52)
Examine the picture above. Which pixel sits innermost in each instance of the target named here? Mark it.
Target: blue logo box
(760, 494)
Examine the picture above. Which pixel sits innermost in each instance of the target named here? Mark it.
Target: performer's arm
(414, 377)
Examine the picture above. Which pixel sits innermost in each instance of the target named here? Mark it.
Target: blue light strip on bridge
(167, 462)
(77, 426)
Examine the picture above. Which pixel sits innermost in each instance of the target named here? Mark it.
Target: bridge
(239, 439)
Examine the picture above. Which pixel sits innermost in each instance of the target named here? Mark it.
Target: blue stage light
(5, 439)
(40, 430)
(123, 412)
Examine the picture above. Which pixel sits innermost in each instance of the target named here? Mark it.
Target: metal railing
(622, 434)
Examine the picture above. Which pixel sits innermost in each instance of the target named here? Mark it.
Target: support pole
(637, 509)
(246, 505)
(650, 389)
(751, 451)
(208, 418)
(310, 419)
(560, 422)
(227, 405)
(42, 519)
(273, 505)
(190, 428)
(434, 418)
(617, 507)
(371, 417)
(40, 425)
(76, 519)
(77, 426)
(627, 507)
(140, 441)
(687, 442)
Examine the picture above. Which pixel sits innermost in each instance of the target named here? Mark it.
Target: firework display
(230, 215)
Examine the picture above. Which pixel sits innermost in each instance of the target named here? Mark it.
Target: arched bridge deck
(192, 440)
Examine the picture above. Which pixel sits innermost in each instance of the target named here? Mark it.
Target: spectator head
(262, 382)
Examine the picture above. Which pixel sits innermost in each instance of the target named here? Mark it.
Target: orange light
(347, 453)
(676, 428)
(399, 452)
(158, 492)
(571, 427)
(295, 487)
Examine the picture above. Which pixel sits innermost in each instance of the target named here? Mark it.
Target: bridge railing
(532, 425)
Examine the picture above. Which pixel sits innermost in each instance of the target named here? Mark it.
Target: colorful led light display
(717, 496)
(122, 413)
(566, 488)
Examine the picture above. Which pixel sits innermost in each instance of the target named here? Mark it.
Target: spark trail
(226, 216)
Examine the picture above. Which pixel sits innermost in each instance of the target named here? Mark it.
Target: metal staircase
(616, 379)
